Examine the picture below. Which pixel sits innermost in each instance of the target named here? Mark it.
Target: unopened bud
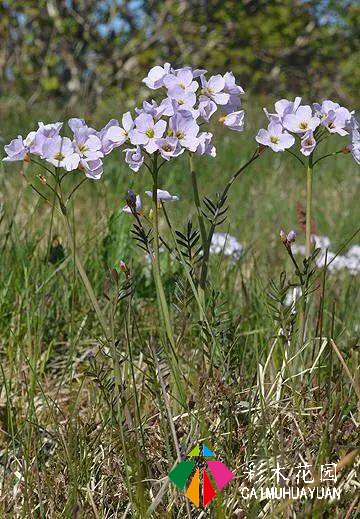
(283, 236)
(131, 199)
(222, 119)
(123, 266)
(42, 179)
(345, 149)
(291, 237)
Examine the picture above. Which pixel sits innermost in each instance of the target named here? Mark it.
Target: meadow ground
(73, 443)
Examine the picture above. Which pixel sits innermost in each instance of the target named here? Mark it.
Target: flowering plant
(309, 126)
(160, 131)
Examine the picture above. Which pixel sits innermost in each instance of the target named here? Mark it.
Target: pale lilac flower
(107, 145)
(87, 145)
(182, 80)
(283, 107)
(354, 147)
(336, 121)
(334, 117)
(185, 129)
(30, 140)
(197, 72)
(134, 158)
(301, 121)
(44, 132)
(234, 92)
(118, 134)
(60, 152)
(137, 206)
(214, 89)
(16, 150)
(180, 100)
(275, 137)
(75, 124)
(169, 147)
(352, 124)
(147, 132)
(93, 168)
(89, 148)
(205, 146)
(155, 77)
(235, 121)
(51, 129)
(163, 196)
(308, 143)
(325, 107)
(207, 108)
(230, 85)
(151, 108)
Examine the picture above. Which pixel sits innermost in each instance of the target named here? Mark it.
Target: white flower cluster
(223, 243)
(349, 261)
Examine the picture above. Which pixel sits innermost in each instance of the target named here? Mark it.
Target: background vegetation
(64, 48)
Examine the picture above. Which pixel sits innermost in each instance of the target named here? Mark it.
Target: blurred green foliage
(71, 49)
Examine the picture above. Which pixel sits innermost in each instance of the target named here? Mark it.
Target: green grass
(74, 442)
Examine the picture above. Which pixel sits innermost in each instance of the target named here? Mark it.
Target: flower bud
(123, 267)
(283, 236)
(42, 179)
(291, 237)
(131, 199)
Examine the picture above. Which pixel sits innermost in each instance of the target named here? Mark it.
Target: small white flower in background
(321, 242)
(223, 243)
(163, 196)
(349, 261)
(292, 296)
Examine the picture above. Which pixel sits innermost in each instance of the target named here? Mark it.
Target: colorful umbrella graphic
(184, 471)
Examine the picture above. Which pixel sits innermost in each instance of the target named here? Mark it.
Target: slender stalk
(164, 309)
(197, 203)
(309, 180)
(79, 266)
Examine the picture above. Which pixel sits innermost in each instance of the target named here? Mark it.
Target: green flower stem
(79, 265)
(309, 180)
(164, 309)
(203, 233)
